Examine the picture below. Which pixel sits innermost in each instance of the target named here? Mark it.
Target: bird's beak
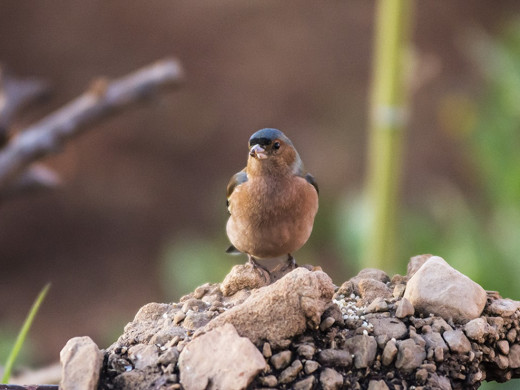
(258, 152)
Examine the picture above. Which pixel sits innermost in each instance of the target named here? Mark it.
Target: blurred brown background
(158, 172)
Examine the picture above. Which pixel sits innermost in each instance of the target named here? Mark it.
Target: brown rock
(439, 382)
(377, 305)
(514, 356)
(269, 381)
(434, 340)
(442, 290)
(306, 351)
(266, 350)
(457, 342)
(370, 289)
(503, 307)
(330, 379)
(503, 346)
(234, 361)
(364, 349)
(404, 308)
(389, 353)
(281, 359)
(409, 355)
(304, 384)
(81, 362)
(281, 310)
(195, 320)
(143, 355)
(477, 329)
(327, 323)
(290, 373)
(392, 327)
(310, 366)
(243, 276)
(415, 263)
(335, 358)
(377, 385)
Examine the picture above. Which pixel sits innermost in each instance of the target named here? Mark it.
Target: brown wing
(236, 180)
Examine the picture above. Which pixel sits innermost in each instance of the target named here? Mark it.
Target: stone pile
(433, 329)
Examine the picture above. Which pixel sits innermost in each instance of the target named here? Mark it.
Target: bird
(272, 203)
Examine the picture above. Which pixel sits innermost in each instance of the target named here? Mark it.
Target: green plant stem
(22, 335)
(387, 123)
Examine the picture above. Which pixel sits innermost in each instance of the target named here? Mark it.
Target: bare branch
(104, 97)
(15, 93)
(36, 177)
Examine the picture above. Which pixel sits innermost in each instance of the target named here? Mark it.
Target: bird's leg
(256, 265)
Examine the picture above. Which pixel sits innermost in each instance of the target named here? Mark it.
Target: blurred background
(141, 214)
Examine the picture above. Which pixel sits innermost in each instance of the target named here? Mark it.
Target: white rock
(219, 359)
(81, 362)
(442, 290)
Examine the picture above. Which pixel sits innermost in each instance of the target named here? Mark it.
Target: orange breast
(271, 217)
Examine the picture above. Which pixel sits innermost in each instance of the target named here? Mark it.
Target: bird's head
(270, 149)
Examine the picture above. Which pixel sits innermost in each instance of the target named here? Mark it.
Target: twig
(103, 98)
(15, 93)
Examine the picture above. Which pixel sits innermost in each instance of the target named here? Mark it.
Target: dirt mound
(302, 332)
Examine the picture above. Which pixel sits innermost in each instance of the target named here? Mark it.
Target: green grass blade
(23, 333)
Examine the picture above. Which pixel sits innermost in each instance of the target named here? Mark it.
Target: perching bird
(272, 203)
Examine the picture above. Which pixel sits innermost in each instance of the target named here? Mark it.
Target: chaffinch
(272, 203)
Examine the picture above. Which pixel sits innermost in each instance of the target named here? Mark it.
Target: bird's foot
(256, 265)
(283, 268)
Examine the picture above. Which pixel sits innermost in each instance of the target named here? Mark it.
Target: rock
(377, 305)
(503, 346)
(195, 320)
(415, 263)
(404, 308)
(227, 349)
(439, 382)
(399, 290)
(281, 359)
(434, 340)
(457, 342)
(304, 384)
(269, 381)
(143, 355)
(167, 334)
(243, 276)
(409, 355)
(281, 310)
(389, 353)
(364, 349)
(511, 335)
(503, 307)
(392, 327)
(290, 373)
(310, 366)
(372, 273)
(170, 356)
(330, 379)
(327, 323)
(81, 362)
(442, 290)
(439, 325)
(377, 385)
(306, 351)
(514, 356)
(370, 289)
(335, 357)
(477, 329)
(266, 350)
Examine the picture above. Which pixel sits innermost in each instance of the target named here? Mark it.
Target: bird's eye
(276, 145)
